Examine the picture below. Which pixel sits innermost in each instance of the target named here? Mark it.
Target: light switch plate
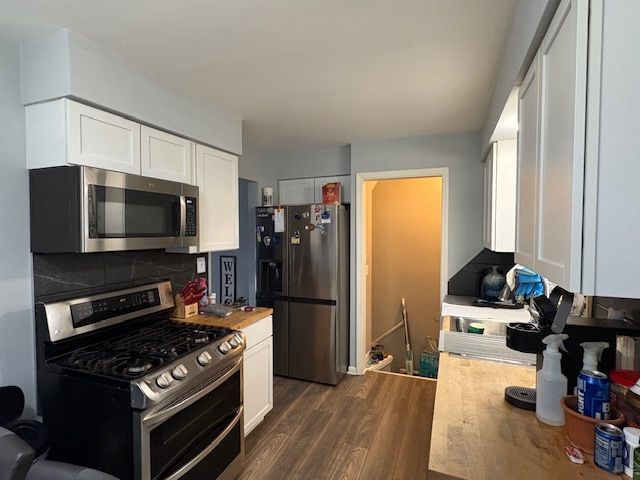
(201, 266)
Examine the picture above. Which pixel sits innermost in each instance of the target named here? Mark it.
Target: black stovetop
(135, 354)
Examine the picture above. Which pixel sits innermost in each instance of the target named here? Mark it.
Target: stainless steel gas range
(128, 391)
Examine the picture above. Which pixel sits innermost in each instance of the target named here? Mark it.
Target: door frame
(360, 247)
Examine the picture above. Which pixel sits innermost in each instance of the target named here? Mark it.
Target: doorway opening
(401, 253)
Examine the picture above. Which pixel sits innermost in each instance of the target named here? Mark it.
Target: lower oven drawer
(224, 461)
(201, 432)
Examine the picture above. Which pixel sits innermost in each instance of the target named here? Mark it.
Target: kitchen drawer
(258, 331)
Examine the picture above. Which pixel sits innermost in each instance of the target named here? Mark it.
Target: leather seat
(16, 459)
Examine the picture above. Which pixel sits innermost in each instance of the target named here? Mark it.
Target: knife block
(184, 311)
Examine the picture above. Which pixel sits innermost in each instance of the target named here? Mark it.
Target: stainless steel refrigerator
(303, 273)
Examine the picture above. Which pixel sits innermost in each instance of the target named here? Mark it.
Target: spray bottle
(551, 384)
(592, 354)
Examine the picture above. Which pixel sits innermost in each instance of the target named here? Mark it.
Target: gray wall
(68, 64)
(17, 355)
(530, 22)
(312, 162)
(458, 152)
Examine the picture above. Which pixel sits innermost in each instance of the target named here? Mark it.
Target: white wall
(530, 22)
(68, 64)
(17, 355)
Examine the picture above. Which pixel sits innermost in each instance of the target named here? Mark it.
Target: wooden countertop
(477, 435)
(237, 320)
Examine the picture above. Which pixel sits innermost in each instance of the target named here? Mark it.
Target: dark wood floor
(375, 426)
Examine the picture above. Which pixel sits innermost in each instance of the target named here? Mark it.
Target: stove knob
(239, 339)
(224, 347)
(204, 358)
(164, 380)
(234, 343)
(179, 372)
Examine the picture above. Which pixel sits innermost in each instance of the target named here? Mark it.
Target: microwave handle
(183, 216)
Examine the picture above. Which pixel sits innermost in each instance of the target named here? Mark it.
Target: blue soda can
(593, 394)
(608, 448)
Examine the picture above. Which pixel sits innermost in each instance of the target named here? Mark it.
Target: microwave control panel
(191, 217)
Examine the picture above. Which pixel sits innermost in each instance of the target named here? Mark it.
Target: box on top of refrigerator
(331, 193)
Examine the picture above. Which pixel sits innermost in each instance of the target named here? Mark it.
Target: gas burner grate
(135, 354)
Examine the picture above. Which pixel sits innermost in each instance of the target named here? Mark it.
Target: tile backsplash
(468, 280)
(62, 273)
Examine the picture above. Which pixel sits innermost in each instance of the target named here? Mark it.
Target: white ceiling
(302, 72)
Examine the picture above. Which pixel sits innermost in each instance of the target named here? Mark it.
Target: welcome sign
(227, 280)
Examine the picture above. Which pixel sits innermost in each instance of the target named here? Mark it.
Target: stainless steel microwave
(83, 209)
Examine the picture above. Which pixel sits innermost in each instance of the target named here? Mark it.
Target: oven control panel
(93, 311)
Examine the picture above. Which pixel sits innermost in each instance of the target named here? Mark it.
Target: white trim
(360, 218)
(352, 370)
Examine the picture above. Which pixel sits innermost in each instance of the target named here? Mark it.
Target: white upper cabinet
(500, 196)
(299, 191)
(218, 212)
(578, 149)
(65, 132)
(560, 179)
(528, 97)
(166, 156)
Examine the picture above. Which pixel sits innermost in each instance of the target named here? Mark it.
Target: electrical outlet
(201, 265)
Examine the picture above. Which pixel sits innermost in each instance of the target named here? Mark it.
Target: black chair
(16, 459)
(23, 441)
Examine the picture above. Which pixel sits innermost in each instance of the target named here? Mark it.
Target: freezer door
(312, 342)
(313, 250)
(281, 338)
(280, 332)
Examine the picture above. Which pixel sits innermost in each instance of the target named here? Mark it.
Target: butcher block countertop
(477, 435)
(238, 320)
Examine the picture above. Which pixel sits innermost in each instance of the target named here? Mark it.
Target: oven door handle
(161, 415)
(198, 458)
(183, 216)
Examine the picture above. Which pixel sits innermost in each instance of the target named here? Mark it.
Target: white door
(563, 75)
(299, 191)
(217, 179)
(102, 140)
(258, 383)
(166, 156)
(528, 99)
(345, 187)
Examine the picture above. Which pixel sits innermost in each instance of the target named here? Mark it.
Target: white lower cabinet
(258, 373)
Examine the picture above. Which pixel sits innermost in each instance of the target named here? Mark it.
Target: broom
(408, 355)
